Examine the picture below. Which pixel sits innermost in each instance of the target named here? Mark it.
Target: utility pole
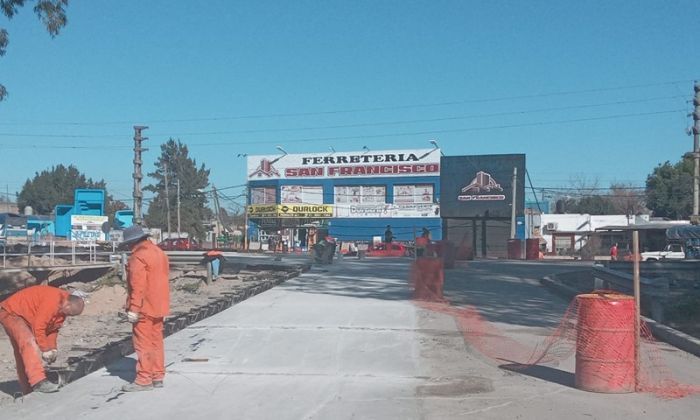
(178, 208)
(513, 206)
(695, 218)
(138, 194)
(167, 197)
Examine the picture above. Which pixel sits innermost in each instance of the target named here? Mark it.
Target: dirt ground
(99, 324)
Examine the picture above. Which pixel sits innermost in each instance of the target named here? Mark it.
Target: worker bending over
(32, 317)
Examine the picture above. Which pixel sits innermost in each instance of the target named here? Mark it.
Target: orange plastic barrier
(428, 277)
(605, 357)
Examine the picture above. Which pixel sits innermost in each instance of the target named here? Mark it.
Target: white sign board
(387, 210)
(413, 162)
(85, 228)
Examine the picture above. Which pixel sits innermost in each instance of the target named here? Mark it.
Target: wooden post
(637, 302)
(125, 274)
(210, 274)
(415, 247)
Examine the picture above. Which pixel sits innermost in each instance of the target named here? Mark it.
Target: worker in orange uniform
(32, 317)
(422, 243)
(215, 259)
(148, 302)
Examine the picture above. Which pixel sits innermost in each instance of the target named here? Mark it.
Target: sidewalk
(340, 342)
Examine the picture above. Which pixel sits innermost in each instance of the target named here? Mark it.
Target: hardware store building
(354, 195)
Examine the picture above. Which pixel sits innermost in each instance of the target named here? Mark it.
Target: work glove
(49, 356)
(132, 317)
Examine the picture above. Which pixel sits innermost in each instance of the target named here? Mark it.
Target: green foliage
(193, 211)
(52, 14)
(56, 186)
(669, 189)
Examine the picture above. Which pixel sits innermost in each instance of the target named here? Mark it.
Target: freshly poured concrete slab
(346, 342)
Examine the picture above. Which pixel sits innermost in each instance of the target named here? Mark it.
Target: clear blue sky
(409, 71)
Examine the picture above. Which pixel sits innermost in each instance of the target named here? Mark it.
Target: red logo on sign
(265, 169)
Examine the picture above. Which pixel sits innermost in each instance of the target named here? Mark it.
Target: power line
(357, 125)
(360, 137)
(367, 109)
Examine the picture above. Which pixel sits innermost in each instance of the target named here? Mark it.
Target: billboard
(481, 186)
(87, 228)
(411, 162)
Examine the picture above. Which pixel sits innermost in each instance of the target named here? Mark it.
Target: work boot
(45, 386)
(158, 384)
(134, 387)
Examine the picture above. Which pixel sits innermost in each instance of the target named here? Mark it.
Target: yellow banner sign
(299, 211)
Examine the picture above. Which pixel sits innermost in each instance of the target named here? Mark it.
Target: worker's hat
(132, 234)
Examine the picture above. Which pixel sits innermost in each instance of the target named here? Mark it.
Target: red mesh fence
(598, 329)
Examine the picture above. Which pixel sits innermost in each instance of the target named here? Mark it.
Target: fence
(83, 253)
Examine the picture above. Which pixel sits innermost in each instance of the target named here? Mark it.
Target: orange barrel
(605, 350)
(515, 249)
(431, 278)
(532, 249)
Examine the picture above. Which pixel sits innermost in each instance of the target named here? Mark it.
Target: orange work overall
(149, 296)
(31, 318)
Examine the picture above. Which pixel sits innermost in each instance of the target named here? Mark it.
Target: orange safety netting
(597, 328)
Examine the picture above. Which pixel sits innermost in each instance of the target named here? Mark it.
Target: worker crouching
(32, 317)
(148, 302)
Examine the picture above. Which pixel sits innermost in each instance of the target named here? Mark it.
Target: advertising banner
(387, 210)
(87, 228)
(290, 210)
(412, 162)
(481, 186)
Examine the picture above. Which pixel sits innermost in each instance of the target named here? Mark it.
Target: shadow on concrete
(545, 373)
(508, 292)
(124, 368)
(11, 388)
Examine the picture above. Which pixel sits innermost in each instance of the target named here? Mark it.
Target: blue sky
(594, 90)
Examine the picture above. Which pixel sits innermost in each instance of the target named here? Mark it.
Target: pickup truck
(671, 252)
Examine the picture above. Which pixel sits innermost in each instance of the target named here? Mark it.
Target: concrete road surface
(346, 342)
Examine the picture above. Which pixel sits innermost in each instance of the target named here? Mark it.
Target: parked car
(671, 252)
(179, 244)
(393, 249)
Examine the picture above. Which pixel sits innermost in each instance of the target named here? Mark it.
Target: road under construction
(349, 340)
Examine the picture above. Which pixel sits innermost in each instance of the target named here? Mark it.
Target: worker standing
(32, 317)
(613, 252)
(388, 235)
(148, 302)
(422, 243)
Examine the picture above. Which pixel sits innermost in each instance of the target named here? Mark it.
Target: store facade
(481, 196)
(351, 195)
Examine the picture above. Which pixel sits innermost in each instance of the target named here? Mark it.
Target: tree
(193, 180)
(587, 198)
(669, 189)
(52, 14)
(627, 199)
(56, 186)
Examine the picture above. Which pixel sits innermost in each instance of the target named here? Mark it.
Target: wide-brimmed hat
(133, 234)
